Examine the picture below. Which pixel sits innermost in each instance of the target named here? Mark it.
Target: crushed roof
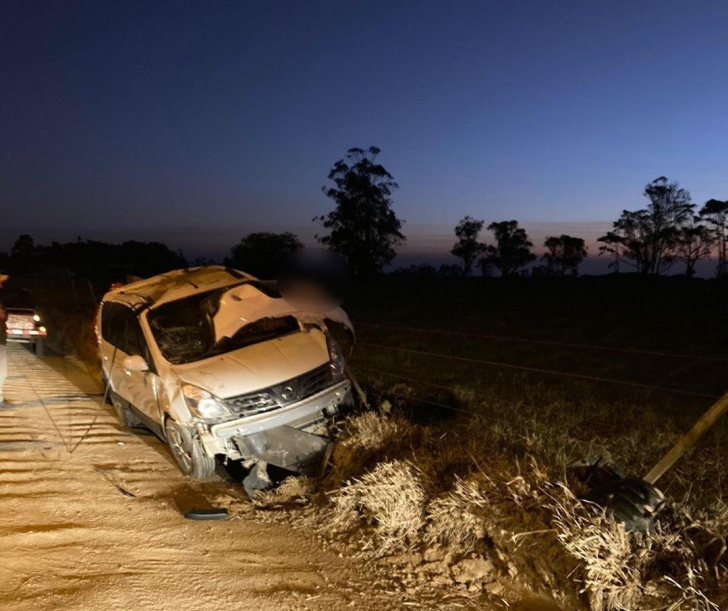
(180, 283)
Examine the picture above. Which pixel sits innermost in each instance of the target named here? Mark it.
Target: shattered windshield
(185, 332)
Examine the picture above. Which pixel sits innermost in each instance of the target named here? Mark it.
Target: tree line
(90, 259)
(650, 240)
(510, 252)
(668, 229)
(364, 229)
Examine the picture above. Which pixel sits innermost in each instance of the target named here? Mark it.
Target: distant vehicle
(24, 324)
(216, 363)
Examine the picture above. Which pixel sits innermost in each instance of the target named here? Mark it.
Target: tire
(39, 347)
(188, 452)
(123, 413)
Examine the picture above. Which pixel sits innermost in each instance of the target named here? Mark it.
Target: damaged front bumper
(240, 438)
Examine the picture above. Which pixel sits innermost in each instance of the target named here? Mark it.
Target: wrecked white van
(216, 363)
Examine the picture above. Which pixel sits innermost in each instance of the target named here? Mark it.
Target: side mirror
(135, 363)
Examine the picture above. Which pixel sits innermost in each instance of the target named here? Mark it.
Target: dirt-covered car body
(209, 357)
(24, 323)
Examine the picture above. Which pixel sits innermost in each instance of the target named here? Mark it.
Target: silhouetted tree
(612, 244)
(650, 237)
(22, 254)
(564, 255)
(262, 254)
(512, 250)
(363, 227)
(467, 247)
(486, 267)
(150, 258)
(696, 242)
(715, 213)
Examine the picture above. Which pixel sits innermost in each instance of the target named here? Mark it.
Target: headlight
(204, 404)
(36, 318)
(336, 357)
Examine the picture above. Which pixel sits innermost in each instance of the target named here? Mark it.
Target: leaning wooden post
(688, 440)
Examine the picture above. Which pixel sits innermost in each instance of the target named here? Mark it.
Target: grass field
(685, 322)
(506, 386)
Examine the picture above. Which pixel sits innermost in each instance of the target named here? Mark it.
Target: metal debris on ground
(632, 501)
(258, 479)
(217, 513)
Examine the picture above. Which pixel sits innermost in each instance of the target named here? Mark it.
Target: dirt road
(90, 518)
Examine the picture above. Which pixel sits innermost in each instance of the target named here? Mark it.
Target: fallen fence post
(690, 438)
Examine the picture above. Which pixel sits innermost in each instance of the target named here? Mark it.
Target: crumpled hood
(245, 304)
(258, 366)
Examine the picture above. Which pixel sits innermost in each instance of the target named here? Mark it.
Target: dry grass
(621, 570)
(523, 516)
(366, 440)
(391, 498)
(458, 520)
(291, 491)
(611, 573)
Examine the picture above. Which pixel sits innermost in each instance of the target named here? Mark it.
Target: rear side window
(113, 320)
(134, 342)
(120, 327)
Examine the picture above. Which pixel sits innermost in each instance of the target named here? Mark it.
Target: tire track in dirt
(100, 528)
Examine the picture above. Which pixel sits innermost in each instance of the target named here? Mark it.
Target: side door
(113, 328)
(141, 388)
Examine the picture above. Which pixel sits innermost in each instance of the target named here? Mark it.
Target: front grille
(314, 381)
(251, 404)
(288, 392)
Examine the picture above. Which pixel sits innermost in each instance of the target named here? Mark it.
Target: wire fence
(692, 359)
(523, 427)
(590, 347)
(552, 372)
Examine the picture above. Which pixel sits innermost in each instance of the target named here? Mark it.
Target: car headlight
(204, 404)
(336, 359)
(36, 318)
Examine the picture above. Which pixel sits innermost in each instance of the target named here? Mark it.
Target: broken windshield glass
(183, 328)
(185, 331)
(256, 332)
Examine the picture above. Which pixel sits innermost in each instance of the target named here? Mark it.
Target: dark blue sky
(197, 122)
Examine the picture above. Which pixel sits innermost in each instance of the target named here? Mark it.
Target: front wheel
(188, 452)
(39, 347)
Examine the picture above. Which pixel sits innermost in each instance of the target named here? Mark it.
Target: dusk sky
(195, 123)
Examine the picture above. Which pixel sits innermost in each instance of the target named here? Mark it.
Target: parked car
(24, 324)
(217, 364)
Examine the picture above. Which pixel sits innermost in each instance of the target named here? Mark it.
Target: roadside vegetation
(468, 475)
